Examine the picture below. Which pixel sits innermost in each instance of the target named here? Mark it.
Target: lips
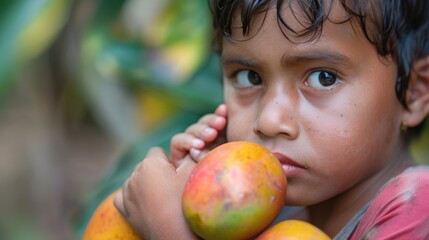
(287, 161)
(290, 167)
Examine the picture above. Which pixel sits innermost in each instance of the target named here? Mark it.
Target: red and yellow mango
(234, 192)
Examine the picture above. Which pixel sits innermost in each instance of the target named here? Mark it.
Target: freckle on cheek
(313, 130)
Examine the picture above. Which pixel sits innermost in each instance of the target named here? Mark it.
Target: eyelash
(234, 77)
(334, 74)
(254, 79)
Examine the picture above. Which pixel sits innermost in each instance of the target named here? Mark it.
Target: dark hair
(397, 28)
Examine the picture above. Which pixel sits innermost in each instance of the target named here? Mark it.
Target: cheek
(355, 137)
(376, 125)
(240, 121)
(239, 125)
(366, 114)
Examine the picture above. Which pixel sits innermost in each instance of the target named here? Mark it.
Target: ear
(417, 94)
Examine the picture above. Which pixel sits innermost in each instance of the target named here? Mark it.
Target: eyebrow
(238, 60)
(320, 55)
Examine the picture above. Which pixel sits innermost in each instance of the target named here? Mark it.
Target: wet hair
(397, 28)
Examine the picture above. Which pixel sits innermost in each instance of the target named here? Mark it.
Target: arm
(150, 199)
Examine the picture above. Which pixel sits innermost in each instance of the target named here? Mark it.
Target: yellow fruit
(107, 223)
(293, 230)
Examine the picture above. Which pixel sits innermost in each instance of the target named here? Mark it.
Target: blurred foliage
(130, 58)
(163, 60)
(154, 59)
(141, 70)
(27, 29)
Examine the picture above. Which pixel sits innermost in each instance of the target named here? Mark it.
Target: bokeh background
(86, 87)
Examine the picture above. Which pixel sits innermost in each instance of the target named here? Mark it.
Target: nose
(277, 117)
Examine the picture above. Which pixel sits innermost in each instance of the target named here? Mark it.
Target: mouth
(290, 167)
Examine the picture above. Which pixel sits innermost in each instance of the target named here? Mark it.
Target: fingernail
(198, 143)
(218, 119)
(195, 152)
(209, 131)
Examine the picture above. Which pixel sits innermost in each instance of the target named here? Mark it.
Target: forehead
(298, 20)
(269, 41)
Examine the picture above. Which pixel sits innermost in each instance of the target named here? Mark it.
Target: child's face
(329, 105)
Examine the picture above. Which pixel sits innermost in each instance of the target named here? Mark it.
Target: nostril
(272, 126)
(257, 132)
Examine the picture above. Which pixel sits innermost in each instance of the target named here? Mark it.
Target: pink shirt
(400, 210)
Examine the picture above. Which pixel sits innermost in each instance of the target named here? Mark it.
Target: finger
(197, 155)
(218, 123)
(201, 155)
(214, 120)
(118, 202)
(206, 119)
(221, 110)
(155, 154)
(138, 167)
(203, 132)
(181, 144)
(187, 166)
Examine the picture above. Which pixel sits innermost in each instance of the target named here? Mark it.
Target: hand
(150, 199)
(201, 137)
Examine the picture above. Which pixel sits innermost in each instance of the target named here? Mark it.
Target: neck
(332, 215)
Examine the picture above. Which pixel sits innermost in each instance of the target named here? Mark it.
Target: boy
(334, 89)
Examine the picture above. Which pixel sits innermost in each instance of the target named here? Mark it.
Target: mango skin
(107, 223)
(234, 192)
(293, 230)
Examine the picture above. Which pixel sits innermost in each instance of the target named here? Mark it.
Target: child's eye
(322, 80)
(247, 78)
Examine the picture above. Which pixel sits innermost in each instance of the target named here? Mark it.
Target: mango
(107, 223)
(293, 230)
(234, 192)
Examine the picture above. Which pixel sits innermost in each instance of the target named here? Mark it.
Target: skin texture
(345, 137)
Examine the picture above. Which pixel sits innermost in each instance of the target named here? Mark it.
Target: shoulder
(400, 210)
(412, 185)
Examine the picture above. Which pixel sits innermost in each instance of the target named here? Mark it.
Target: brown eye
(247, 78)
(327, 79)
(322, 80)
